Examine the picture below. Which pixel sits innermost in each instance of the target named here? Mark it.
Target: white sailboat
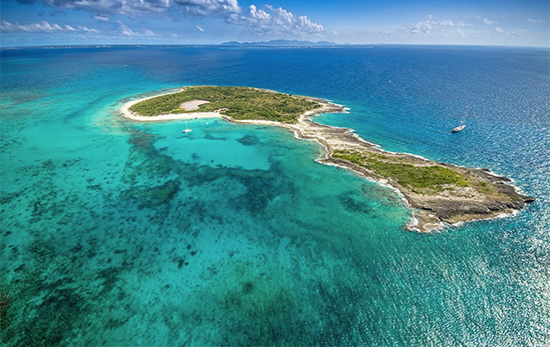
(459, 128)
(186, 130)
(462, 122)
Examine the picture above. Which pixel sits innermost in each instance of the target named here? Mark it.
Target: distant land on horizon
(279, 43)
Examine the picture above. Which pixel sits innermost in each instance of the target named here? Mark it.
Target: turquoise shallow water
(116, 233)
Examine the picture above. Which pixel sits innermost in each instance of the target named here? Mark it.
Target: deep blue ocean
(119, 233)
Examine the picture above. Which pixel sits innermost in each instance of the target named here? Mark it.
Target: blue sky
(82, 22)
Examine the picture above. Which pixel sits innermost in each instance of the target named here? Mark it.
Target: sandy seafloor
(122, 233)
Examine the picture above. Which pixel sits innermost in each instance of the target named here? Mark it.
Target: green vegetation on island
(241, 103)
(429, 178)
(422, 179)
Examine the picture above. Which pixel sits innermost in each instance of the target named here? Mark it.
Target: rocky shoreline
(433, 209)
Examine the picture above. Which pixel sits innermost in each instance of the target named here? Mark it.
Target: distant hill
(279, 43)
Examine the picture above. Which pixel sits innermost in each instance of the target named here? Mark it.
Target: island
(440, 193)
(280, 43)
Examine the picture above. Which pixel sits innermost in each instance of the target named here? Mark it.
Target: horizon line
(258, 44)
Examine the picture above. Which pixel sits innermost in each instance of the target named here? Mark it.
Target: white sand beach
(188, 106)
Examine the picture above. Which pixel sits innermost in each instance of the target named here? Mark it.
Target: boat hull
(459, 128)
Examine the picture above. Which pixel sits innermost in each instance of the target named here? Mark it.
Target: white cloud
(88, 30)
(42, 26)
(516, 33)
(126, 31)
(447, 22)
(255, 15)
(265, 20)
(424, 27)
(484, 20)
(101, 18)
(538, 21)
(519, 32)
(276, 21)
(124, 7)
(199, 28)
(209, 7)
(444, 28)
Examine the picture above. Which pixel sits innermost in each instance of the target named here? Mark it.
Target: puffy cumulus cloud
(499, 30)
(425, 27)
(256, 15)
(43, 27)
(276, 20)
(265, 20)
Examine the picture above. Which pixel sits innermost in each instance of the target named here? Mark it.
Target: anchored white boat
(458, 128)
(186, 130)
(462, 122)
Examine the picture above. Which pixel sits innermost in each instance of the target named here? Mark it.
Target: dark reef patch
(49, 321)
(249, 140)
(152, 196)
(5, 301)
(352, 203)
(215, 138)
(109, 277)
(248, 287)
